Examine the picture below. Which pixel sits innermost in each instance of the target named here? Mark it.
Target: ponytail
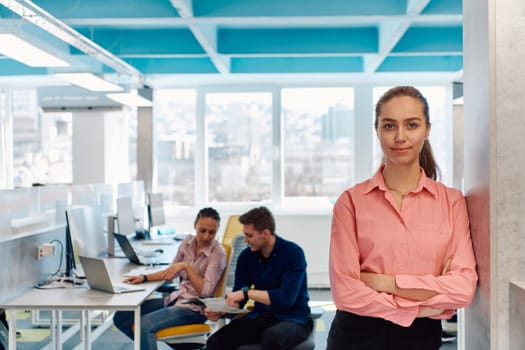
(427, 161)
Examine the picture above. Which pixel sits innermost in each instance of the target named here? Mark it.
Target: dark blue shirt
(282, 275)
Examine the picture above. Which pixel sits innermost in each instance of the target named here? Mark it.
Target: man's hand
(234, 298)
(171, 271)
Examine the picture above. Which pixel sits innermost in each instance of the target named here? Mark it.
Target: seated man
(271, 271)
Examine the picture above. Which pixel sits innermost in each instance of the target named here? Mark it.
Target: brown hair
(426, 156)
(261, 218)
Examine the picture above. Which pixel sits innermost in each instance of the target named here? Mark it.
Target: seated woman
(200, 262)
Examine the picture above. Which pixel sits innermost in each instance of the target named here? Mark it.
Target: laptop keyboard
(122, 288)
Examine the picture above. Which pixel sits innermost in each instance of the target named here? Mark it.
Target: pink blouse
(209, 263)
(414, 243)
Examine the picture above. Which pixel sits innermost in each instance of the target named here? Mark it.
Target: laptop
(134, 258)
(97, 276)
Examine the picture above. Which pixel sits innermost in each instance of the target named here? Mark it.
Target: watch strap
(245, 291)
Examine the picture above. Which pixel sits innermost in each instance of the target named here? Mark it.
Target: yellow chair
(195, 333)
(233, 229)
(234, 236)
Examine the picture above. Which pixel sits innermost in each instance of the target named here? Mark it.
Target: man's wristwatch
(245, 291)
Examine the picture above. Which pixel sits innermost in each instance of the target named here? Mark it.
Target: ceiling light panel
(18, 49)
(130, 99)
(89, 81)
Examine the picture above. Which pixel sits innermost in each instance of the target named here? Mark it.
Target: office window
(299, 157)
(42, 143)
(318, 144)
(239, 146)
(175, 127)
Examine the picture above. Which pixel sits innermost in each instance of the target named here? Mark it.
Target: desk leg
(87, 331)
(82, 329)
(53, 328)
(12, 329)
(59, 329)
(137, 329)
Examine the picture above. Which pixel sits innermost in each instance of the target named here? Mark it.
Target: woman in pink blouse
(199, 263)
(401, 256)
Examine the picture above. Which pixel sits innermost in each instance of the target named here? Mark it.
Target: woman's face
(402, 130)
(206, 228)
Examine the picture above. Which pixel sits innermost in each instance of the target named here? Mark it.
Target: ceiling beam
(391, 32)
(256, 21)
(206, 35)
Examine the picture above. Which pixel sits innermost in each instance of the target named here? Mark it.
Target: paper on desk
(143, 270)
(159, 242)
(217, 305)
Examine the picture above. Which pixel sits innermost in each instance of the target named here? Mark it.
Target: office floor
(34, 338)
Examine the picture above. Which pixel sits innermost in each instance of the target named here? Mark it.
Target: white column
(6, 141)
(363, 132)
(146, 145)
(100, 147)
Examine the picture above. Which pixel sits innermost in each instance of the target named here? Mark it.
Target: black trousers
(271, 333)
(353, 332)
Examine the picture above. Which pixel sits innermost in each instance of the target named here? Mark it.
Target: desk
(82, 299)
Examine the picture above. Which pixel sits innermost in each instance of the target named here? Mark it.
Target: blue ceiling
(227, 38)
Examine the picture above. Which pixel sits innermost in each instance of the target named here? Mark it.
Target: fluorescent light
(30, 12)
(130, 99)
(20, 50)
(89, 81)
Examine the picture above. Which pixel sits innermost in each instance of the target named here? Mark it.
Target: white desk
(82, 299)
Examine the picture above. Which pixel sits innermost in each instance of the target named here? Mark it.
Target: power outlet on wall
(46, 249)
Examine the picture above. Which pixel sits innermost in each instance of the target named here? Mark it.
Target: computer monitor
(155, 210)
(85, 233)
(71, 256)
(125, 217)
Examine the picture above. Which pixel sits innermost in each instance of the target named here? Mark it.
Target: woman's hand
(446, 268)
(378, 282)
(134, 279)
(427, 311)
(387, 284)
(212, 315)
(171, 271)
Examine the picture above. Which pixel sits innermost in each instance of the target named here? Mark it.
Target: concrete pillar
(363, 132)
(6, 140)
(494, 74)
(100, 147)
(146, 144)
